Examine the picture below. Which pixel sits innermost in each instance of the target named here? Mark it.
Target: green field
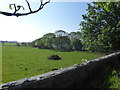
(9, 44)
(22, 62)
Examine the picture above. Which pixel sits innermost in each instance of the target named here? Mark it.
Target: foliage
(60, 40)
(101, 26)
(110, 78)
(75, 41)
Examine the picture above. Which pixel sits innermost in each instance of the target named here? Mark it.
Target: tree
(24, 44)
(61, 41)
(75, 35)
(17, 44)
(18, 7)
(61, 33)
(48, 40)
(38, 43)
(101, 26)
(75, 41)
(76, 44)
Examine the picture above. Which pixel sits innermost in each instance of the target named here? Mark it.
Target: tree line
(60, 40)
(100, 31)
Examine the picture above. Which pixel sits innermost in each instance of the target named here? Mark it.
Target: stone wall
(74, 76)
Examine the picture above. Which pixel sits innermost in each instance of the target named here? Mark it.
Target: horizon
(15, 41)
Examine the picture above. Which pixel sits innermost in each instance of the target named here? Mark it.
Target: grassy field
(9, 44)
(22, 62)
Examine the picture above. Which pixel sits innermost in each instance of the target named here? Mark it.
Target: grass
(9, 44)
(111, 78)
(22, 62)
(114, 80)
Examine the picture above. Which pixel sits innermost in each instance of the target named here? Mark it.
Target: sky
(54, 16)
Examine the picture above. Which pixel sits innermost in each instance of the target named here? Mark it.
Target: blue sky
(54, 16)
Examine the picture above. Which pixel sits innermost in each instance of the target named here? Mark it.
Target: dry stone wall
(74, 76)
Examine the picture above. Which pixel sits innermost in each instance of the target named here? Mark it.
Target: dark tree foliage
(101, 27)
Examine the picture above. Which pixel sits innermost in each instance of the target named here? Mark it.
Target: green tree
(101, 26)
(23, 44)
(61, 41)
(75, 40)
(61, 33)
(76, 44)
(48, 40)
(17, 44)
